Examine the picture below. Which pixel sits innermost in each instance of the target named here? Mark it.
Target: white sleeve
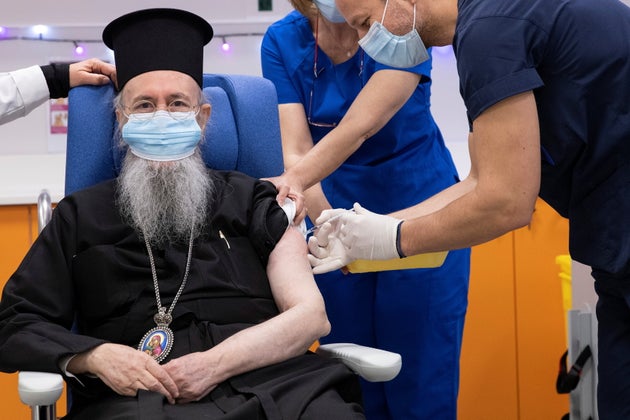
(21, 91)
(63, 365)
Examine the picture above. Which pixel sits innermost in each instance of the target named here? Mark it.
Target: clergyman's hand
(125, 370)
(194, 376)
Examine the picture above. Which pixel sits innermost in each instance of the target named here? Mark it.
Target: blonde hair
(306, 7)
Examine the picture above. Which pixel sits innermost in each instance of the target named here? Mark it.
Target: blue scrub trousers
(418, 313)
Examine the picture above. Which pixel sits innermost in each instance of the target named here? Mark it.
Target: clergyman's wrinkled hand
(125, 370)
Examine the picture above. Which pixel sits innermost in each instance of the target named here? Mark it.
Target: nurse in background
(23, 90)
(355, 130)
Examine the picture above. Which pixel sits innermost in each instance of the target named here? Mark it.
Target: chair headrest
(243, 132)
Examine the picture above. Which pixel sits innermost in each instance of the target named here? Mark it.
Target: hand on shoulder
(91, 72)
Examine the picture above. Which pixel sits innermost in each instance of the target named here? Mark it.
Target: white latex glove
(367, 235)
(326, 254)
(358, 235)
(328, 215)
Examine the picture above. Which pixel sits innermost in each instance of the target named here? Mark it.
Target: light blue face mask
(400, 51)
(161, 137)
(328, 9)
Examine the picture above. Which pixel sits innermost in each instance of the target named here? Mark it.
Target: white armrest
(373, 365)
(39, 388)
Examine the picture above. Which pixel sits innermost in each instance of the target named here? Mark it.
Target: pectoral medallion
(158, 341)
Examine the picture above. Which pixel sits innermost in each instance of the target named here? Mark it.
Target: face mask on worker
(328, 9)
(400, 51)
(162, 137)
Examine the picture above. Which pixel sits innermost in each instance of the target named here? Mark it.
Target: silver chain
(164, 317)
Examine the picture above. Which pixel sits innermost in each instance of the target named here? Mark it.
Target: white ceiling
(224, 15)
(233, 15)
(83, 19)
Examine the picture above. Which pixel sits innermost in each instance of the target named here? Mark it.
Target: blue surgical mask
(161, 137)
(400, 51)
(328, 9)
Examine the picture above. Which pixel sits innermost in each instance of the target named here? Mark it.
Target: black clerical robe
(90, 269)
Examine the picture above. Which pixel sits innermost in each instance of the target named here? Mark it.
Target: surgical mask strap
(413, 26)
(384, 11)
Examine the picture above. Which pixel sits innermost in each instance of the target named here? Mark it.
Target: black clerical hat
(158, 39)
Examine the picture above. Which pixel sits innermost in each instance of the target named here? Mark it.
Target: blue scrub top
(405, 162)
(574, 55)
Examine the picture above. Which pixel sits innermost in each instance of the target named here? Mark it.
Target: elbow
(326, 329)
(516, 214)
(323, 324)
(318, 322)
(313, 325)
(498, 203)
(505, 209)
(515, 221)
(523, 217)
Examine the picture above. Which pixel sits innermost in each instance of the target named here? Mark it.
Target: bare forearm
(469, 220)
(325, 157)
(286, 335)
(436, 202)
(315, 201)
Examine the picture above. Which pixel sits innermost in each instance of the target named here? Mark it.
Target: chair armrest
(39, 388)
(44, 210)
(373, 365)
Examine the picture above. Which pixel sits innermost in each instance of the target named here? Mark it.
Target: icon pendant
(157, 342)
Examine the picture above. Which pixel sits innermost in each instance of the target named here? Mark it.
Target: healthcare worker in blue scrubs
(355, 130)
(546, 86)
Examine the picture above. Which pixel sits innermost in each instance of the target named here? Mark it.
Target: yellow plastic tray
(428, 260)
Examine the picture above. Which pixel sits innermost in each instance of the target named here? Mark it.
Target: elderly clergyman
(192, 297)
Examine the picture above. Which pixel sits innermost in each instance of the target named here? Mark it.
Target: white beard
(165, 201)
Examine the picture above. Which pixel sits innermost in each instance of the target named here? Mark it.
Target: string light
(78, 49)
(225, 46)
(40, 32)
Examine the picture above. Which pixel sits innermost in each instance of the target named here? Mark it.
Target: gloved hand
(369, 236)
(326, 250)
(330, 216)
(352, 236)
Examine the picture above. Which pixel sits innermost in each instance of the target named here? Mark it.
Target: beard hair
(165, 202)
